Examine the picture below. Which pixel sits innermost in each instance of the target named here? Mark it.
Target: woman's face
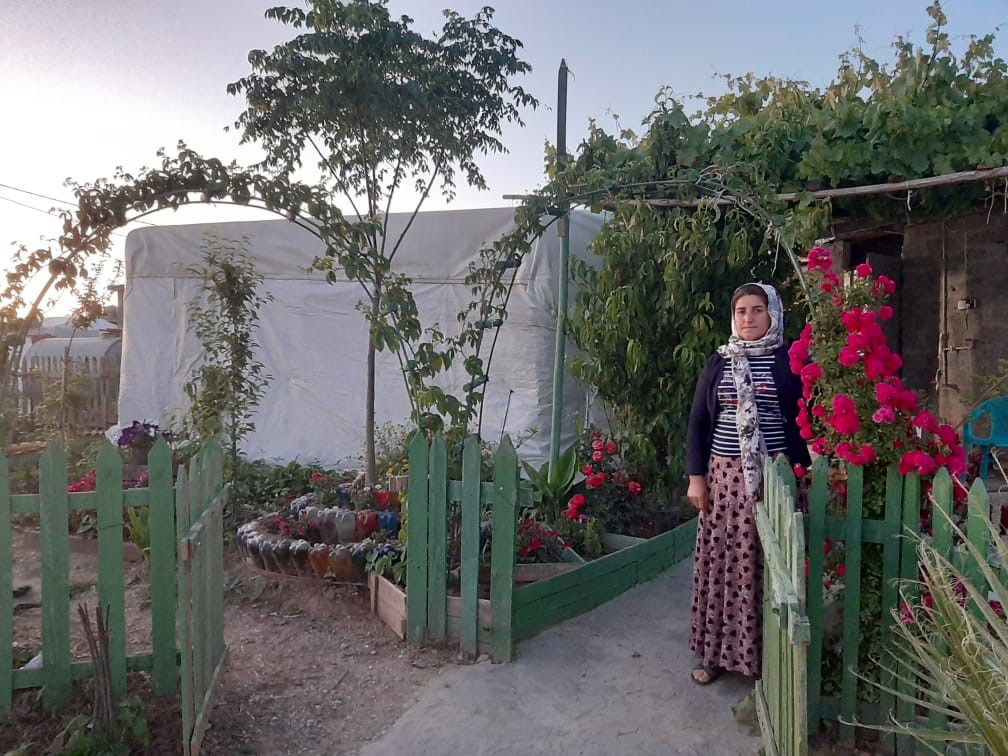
(752, 319)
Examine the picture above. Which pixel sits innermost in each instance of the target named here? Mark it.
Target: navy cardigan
(700, 431)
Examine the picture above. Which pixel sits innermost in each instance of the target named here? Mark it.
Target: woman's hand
(697, 493)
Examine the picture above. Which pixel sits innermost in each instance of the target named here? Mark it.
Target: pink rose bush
(854, 405)
(605, 479)
(610, 499)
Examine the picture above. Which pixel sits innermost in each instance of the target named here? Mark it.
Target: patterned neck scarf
(738, 351)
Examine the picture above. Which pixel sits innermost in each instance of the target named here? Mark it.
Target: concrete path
(613, 681)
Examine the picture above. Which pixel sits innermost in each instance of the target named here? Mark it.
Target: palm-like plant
(951, 645)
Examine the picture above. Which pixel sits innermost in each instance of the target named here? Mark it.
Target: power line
(51, 199)
(36, 194)
(30, 207)
(41, 210)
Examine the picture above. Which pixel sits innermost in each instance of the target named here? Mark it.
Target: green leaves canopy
(375, 103)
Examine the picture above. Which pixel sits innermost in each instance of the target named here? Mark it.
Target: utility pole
(563, 231)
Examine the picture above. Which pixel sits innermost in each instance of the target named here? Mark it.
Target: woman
(744, 409)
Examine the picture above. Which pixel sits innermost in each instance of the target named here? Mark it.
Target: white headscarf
(738, 351)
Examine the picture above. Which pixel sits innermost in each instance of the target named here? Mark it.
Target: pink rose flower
(821, 447)
(849, 357)
(863, 270)
(820, 259)
(884, 416)
(811, 373)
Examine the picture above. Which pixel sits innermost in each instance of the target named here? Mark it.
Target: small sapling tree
(377, 108)
(229, 382)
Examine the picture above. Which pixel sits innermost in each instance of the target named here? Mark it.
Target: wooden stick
(961, 177)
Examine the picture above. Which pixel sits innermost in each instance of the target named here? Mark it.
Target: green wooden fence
(901, 515)
(199, 528)
(511, 613)
(194, 507)
(781, 693)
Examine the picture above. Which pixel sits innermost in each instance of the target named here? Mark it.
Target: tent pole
(563, 230)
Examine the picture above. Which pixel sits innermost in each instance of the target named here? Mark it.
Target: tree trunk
(370, 464)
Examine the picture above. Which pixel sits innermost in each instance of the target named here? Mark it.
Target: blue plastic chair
(997, 409)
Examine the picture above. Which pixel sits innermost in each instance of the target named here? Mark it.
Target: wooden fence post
(55, 559)
(111, 579)
(502, 556)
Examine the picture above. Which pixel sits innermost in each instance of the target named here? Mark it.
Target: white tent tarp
(313, 340)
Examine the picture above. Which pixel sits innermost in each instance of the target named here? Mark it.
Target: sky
(89, 85)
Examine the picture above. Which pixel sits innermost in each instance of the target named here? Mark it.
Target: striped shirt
(767, 408)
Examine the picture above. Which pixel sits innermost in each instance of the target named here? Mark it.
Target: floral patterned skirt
(726, 624)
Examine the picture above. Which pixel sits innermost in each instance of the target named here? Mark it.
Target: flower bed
(331, 543)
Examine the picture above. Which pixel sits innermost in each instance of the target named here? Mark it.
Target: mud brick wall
(954, 308)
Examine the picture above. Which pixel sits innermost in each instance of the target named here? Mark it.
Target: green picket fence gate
(431, 615)
(781, 693)
(901, 516)
(444, 517)
(185, 521)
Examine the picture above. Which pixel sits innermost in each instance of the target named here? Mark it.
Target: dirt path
(310, 669)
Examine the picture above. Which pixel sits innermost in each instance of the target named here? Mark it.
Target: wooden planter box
(81, 545)
(631, 561)
(549, 593)
(388, 603)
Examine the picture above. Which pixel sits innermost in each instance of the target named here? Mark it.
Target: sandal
(706, 675)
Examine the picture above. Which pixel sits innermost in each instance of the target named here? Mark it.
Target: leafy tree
(229, 382)
(378, 107)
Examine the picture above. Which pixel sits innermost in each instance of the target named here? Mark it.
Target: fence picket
(161, 523)
(184, 604)
(111, 578)
(55, 560)
(502, 551)
(890, 575)
(437, 537)
(416, 553)
(941, 524)
(6, 594)
(978, 510)
(908, 573)
(852, 600)
(470, 537)
(941, 499)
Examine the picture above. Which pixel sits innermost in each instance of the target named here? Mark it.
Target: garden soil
(311, 671)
